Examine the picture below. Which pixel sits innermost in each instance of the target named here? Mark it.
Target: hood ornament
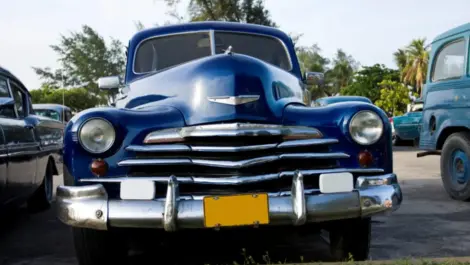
(234, 100)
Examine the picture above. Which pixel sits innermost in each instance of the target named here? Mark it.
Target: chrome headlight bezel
(373, 140)
(107, 147)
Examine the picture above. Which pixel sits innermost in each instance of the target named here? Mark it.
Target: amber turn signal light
(99, 167)
(365, 158)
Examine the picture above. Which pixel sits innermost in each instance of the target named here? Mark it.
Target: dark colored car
(54, 111)
(214, 130)
(406, 126)
(30, 148)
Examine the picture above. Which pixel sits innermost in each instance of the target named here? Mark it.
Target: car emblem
(234, 100)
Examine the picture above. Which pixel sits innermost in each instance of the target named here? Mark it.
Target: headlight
(366, 127)
(97, 135)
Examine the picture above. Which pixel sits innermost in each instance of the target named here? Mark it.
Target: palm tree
(414, 72)
(400, 58)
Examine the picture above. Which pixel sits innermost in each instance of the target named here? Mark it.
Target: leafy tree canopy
(77, 99)
(248, 11)
(366, 81)
(394, 97)
(83, 58)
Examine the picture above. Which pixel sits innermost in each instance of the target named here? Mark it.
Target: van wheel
(97, 247)
(396, 141)
(42, 198)
(455, 167)
(350, 239)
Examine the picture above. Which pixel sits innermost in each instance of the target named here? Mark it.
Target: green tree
(83, 58)
(247, 11)
(366, 81)
(342, 71)
(394, 97)
(77, 99)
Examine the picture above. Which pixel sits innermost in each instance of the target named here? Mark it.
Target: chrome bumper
(89, 207)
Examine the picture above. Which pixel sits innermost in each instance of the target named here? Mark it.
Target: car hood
(204, 90)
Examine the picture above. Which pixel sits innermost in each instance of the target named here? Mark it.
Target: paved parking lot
(429, 224)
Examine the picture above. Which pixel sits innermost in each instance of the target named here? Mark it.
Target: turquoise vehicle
(445, 128)
(406, 127)
(337, 99)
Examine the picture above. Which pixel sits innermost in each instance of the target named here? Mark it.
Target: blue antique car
(336, 99)
(445, 127)
(30, 148)
(54, 111)
(213, 131)
(406, 127)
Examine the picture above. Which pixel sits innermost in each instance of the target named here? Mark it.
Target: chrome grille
(233, 155)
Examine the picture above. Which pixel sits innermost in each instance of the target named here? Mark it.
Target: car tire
(98, 247)
(350, 239)
(416, 142)
(396, 141)
(42, 198)
(455, 166)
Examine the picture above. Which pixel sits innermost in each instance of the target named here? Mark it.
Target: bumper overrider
(89, 206)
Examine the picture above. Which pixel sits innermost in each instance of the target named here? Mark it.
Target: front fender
(130, 126)
(333, 121)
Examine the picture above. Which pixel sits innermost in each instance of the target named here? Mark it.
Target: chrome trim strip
(171, 205)
(212, 40)
(298, 199)
(306, 142)
(229, 164)
(159, 148)
(231, 130)
(197, 148)
(234, 100)
(154, 162)
(236, 180)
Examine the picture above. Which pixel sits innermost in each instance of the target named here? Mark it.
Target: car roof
(9, 75)
(207, 25)
(452, 32)
(57, 107)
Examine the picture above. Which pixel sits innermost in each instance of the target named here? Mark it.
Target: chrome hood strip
(229, 164)
(197, 148)
(237, 180)
(232, 130)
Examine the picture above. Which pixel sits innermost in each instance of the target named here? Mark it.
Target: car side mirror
(109, 83)
(314, 78)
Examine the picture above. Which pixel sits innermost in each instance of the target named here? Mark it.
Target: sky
(369, 30)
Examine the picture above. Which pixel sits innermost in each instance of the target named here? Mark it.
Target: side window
(450, 61)
(20, 100)
(5, 112)
(68, 115)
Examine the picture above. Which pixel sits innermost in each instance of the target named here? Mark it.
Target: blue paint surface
(446, 102)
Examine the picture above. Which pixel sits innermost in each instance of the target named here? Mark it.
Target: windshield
(48, 113)
(265, 48)
(163, 52)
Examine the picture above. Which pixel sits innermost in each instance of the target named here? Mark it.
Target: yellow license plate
(236, 210)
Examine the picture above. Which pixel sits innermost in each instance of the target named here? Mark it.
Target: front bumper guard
(89, 207)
